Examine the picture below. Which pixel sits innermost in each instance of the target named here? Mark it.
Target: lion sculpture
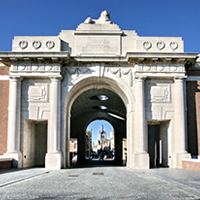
(103, 19)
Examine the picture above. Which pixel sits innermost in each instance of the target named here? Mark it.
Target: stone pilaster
(179, 136)
(13, 145)
(140, 156)
(67, 143)
(54, 156)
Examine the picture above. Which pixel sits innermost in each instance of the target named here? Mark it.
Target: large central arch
(88, 84)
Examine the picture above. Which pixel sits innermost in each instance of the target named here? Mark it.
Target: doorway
(35, 143)
(158, 144)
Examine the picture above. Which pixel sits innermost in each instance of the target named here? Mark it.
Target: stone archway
(92, 85)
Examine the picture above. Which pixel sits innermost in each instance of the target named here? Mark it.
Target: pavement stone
(11, 176)
(102, 182)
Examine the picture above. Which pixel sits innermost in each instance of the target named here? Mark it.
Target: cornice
(141, 57)
(9, 57)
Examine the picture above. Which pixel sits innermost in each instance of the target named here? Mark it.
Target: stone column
(180, 138)
(118, 147)
(67, 142)
(13, 143)
(54, 156)
(130, 124)
(140, 157)
(81, 147)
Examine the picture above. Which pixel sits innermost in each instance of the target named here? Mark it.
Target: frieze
(35, 67)
(66, 71)
(159, 68)
(120, 72)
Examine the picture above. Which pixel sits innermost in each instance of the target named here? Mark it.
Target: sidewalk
(9, 176)
(189, 179)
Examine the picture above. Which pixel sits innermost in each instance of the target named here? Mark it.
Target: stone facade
(146, 80)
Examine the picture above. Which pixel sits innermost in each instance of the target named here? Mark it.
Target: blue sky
(148, 17)
(96, 127)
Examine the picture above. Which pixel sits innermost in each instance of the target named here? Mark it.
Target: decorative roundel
(36, 44)
(147, 45)
(50, 44)
(147, 67)
(23, 44)
(160, 45)
(173, 45)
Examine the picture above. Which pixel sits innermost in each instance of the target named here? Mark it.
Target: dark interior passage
(158, 144)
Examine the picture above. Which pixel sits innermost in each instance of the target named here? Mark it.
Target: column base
(177, 159)
(17, 158)
(140, 161)
(53, 161)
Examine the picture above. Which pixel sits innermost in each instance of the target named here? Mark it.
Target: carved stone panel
(38, 93)
(98, 45)
(159, 93)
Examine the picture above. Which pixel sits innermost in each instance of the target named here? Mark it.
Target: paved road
(102, 182)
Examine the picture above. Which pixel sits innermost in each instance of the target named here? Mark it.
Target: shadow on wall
(193, 115)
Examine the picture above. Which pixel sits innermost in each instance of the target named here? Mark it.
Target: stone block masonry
(4, 96)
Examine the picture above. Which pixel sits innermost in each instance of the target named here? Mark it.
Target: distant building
(103, 142)
(124, 146)
(95, 147)
(88, 148)
(112, 141)
(73, 147)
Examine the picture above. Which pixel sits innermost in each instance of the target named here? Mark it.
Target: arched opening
(100, 137)
(78, 112)
(101, 104)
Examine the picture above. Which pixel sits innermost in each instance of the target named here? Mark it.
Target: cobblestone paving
(99, 183)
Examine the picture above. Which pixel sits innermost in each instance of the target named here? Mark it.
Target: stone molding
(9, 58)
(35, 68)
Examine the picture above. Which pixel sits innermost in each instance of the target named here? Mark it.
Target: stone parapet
(191, 164)
(5, 163)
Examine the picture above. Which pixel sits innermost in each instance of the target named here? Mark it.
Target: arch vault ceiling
(84, 103)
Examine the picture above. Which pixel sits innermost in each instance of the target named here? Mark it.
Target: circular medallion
(173, 45)
(160, 68)
(21, 67)
(35, 67)
(147, 45)
(23, 44)
(36, 44)
(160, 45)
(147, 67)
(50, 44)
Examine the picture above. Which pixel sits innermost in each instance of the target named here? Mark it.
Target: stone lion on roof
(104, 18)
